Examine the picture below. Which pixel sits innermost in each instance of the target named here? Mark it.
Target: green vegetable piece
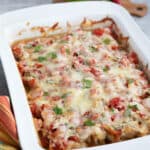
(65, 95)
(46, 93)
(133, 107)
(106, 69)
(52, 55)
(130, 81)
(127, 113)
(93, 49)
(106, 41)
(57, 110)
(89, 123)
(37, 48)
(42, 58)
(68, 51)
(86, 83)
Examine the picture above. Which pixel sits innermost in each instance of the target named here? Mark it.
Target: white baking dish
(12, 22)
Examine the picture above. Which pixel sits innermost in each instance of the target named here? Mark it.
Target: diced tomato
(92, 62)
(62, 50)
(98, 32)
(142, 115)
(35, 43)
(114, 47)
(93, 91)
(94, 116)
(133, 58)
(65, 80)
(44, 141)
(35, 110)
(55, 98)
(21, 69)
(49, 42)
(17, 52)
(30, 83)
(38, 65)
(95, 72)
(116, 103)
(80, 59)
(113, 117)
(73, 138)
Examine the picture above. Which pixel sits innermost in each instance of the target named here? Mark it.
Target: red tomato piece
(133, 58)
(17, 52)
(55, 98)
(98, 32)
(95, 72)
(116, 103)
(73, 138)
(114, 47)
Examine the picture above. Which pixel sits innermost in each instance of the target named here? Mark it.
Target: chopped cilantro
(130, 81)
(112, 110)
(93, 49)
(63, 41)
(57, 110)
(133, 107)
(106, 41)
(105, 69)
(65, 95)
(46, 93)
(68, 51)
(127, 113)
(41, 58)
(37, 48)
(89, 123)
(52, 55)
(86, 83)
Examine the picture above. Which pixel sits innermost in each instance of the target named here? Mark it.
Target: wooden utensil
(135, 9)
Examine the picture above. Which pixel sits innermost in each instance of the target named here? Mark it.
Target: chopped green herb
(112, 109)
(68, 51)
(63, 41)
(52, 55)
(133, 107)
(127, 113)
(105, 69)
(65, 95)
(89, 123)
(37, 48)
(57, 110)
(46, 93)
(86, 83)
(71, 127)
(41, 58)
(106, 41)
(130, 81)
(93, 49)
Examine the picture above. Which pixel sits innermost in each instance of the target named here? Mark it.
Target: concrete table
(7, 5)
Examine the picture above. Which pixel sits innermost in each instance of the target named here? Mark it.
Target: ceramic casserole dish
(14, 26)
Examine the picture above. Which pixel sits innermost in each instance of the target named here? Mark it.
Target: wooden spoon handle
(139, 10)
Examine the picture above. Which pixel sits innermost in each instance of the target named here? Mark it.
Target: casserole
(9, 34)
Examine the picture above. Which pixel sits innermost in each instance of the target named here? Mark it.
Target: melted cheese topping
(82, 85)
